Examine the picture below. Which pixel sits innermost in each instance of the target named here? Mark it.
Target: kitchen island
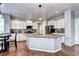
(47, 43)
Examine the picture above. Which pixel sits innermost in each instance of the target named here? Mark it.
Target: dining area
(6, 40)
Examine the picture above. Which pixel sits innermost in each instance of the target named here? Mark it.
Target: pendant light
(40, 18)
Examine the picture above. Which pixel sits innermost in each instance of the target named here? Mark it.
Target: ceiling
(25, 11)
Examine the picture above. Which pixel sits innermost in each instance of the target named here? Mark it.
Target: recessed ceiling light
(40, 18)
(57, 11)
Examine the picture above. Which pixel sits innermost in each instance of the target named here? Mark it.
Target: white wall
(76, 27)
(69, 27)
(6, 23)
(1, 24)
(76, 30)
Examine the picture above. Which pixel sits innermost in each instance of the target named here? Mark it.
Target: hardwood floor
(23, 50)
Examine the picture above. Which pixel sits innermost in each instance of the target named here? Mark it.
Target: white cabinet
(51, 22)
(59, 23)
(44, 44)
(15, 24)
(21, 37)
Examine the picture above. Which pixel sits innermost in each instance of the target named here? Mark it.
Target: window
(1, 24)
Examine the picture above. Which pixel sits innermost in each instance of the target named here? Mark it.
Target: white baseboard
(45, 50)
(69, 44)
(76, 44)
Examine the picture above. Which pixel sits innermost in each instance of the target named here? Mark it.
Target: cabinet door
(32, 42)
(45, 43)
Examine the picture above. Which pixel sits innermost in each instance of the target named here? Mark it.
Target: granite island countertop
(54, 35)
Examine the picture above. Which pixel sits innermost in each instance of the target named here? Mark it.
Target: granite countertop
(54, 35)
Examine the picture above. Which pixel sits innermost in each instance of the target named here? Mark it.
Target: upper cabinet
(57, 23)
(15, 24)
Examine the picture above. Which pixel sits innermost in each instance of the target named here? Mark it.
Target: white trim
(45, 50)
(76, 44)
(69, 44)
